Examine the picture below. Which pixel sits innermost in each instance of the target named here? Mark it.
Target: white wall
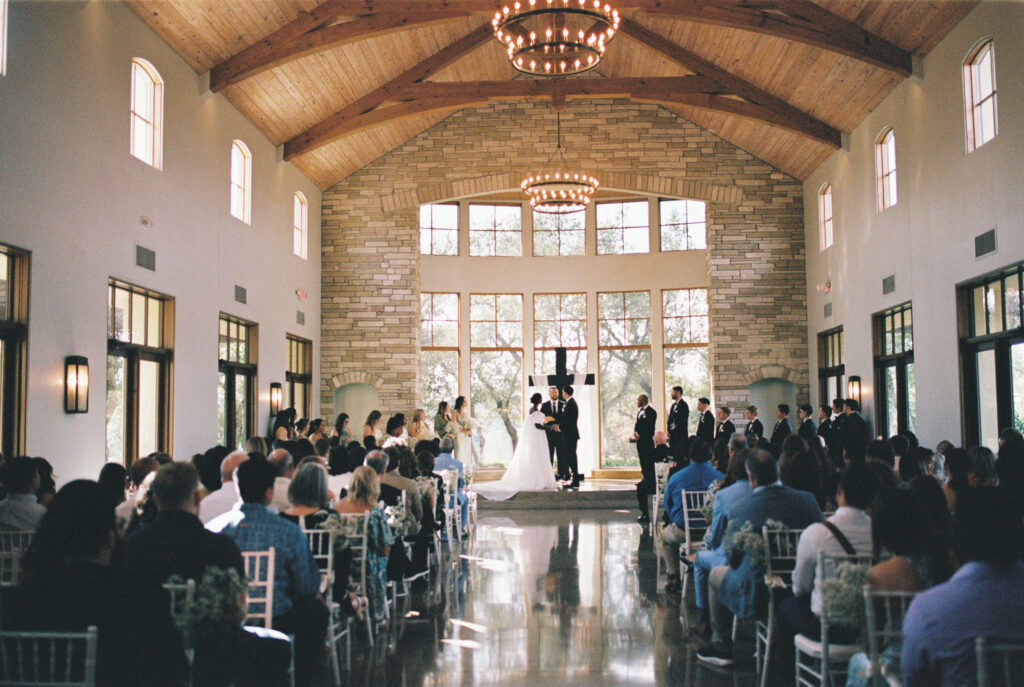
(71, 193)
(946, 197)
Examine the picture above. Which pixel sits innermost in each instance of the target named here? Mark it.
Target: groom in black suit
(553, 408)
(570, 433)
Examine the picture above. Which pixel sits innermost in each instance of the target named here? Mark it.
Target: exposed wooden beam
(797, 20)
(283, 46)
(333, 127)
(797, 119)
(429, 97)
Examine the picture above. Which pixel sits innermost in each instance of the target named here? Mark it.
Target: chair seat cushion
(812, 648)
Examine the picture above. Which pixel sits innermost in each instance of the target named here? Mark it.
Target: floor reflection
(548, 598)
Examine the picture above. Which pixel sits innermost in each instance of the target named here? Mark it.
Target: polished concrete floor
(548, 598)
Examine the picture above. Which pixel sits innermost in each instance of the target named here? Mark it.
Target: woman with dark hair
(47, 486)
(315, 431)
(443, 421)
(372, 427)
(982, 472)
(958, 466)
(914, 463)
(340, 430)
(112, 483)
(301, 427)
(284, 425)
(67, 582)
(802, 471)
(928, 492)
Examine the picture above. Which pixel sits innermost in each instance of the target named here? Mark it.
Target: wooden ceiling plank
(655, 88)
(808, 124)
(273, 51)
(324, 132)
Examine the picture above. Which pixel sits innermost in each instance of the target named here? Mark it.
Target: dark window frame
(14, 333)
(889, 357)
(831, 365)
(297, 346)
(232, 369)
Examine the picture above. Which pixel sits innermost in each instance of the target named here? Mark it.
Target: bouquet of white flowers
(427, 487)
(398, 519)
(751, 543)
(343, 531)
(218, 605)
(842, 596)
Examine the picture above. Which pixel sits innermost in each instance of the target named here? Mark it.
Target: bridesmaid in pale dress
(463, 431)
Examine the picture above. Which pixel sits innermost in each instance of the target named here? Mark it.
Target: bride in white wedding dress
(530, 467)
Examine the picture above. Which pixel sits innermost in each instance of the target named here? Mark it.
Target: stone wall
(370, 282)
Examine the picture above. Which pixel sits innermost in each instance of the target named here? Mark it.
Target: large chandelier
(555, 37)
(559, 190)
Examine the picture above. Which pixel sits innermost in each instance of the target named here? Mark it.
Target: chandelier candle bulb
(576, 31)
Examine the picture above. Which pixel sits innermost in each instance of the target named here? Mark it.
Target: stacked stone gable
(370, 260)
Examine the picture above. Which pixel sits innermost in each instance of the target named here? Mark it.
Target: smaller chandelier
(562, 190)
(555, 37)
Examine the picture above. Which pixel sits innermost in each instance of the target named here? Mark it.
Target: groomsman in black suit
(725, 427)
(754, 426)
(553, 408)
(825, 423)
(807, 430)
(570, 433)
(706, 424)
(678, 422)
(783, 428)
(643, 435)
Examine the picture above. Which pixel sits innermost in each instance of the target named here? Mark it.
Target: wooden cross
(562, 377)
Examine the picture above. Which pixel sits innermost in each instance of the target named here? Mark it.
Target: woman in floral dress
(364, 491)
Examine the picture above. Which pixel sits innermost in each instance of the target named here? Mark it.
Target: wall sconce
(853, 388)
(276, 395)
(76, 384)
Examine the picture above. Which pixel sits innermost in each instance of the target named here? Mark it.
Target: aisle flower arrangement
(427, 487)
(343, 531)
(842, 596)
(751, 543)
(398, 519)
(217, 606)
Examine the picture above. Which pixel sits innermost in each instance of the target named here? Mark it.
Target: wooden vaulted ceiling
(341, 82)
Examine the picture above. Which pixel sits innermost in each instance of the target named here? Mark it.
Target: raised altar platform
(593, 494)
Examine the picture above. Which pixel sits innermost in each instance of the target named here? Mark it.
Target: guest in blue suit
(697, 476)
(738, 588)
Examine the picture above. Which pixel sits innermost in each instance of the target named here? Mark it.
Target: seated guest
(340, 464)
(736, 588)
(282, 462)
(882, 451)
(175, 543)
(915, 463)
(393, 484)
(958, 480)
(444, 462)
(928, 492)
(136, 476)
(697, 476)
(983, 598)
(644, 489)
(67, 583)
(252, 445)
(225, 498)
(982, 472)
(725, 499)
(847, 532)
(1010, 468)
(801, 469)
(362, 498)
(297, 606)
(47, 486)
(21, 510)
(112, 482)
(309, 497)
(322, 450)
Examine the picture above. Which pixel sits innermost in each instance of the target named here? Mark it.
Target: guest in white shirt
(224, 499)
(282, 462)
(848, 532)
(20, 510)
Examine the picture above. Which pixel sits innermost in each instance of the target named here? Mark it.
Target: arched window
(885, 168)
(241, 181)
(300, 229)
(825, 215)
(147, 127)
(980, 95)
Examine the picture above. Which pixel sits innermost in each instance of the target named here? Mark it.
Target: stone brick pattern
(370, 273)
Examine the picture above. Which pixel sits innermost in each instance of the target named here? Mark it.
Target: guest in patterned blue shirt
(298, 608)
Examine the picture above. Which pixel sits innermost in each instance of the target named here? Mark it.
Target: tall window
(3, 39)
(683, 225)
(555, 234)
(495, 230)
(831, 365)
(13, 351)
(825, 216)
(439, 229)
(241, 181)
(885, 168)
(147, 115)
(895, 386)
(140, 337)
(623, 227)
(559, 321)
(624, 349)
(300, 225)
(299, 376)
(236, 387)
(439, 348)
(496, 379)
(687, 364)
(980, 95)
(992, 356)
